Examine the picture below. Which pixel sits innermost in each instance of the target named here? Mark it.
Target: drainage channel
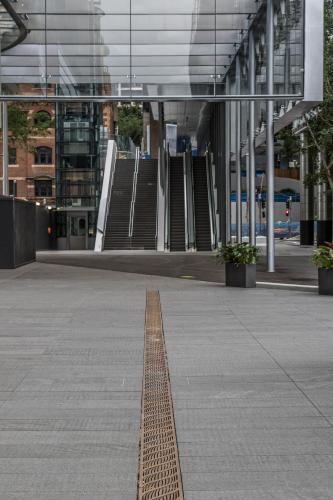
(159, 468)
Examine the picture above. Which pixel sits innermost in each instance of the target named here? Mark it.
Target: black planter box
(243, 276)
(18, 232)
(325, 277)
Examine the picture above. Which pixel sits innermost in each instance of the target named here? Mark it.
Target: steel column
(227, 179)
(252, 151)
(5, 182)
(238, 158)
(270, 138)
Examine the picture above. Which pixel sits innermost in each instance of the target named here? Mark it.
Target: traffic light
(287, 205)
(287, 212)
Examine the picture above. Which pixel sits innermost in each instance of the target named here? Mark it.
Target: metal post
(270, 139)
(238, 158)
(5, 183)
(227, 164)
(252, 151)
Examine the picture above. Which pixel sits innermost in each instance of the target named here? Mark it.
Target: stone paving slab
(251, 376)
(247, 428)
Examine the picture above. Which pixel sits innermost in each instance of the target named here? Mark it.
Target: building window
(12, 156)
(13, 188)
(43, 188)
(43, 156)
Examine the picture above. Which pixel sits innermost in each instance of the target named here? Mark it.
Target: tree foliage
(130, 122)
(23, 127)
(320, 123)
(290, 144)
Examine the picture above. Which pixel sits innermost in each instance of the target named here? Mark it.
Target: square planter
(243, 276)
(325, 277)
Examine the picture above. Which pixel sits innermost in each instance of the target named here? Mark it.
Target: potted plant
(323, 258)
(240, 264)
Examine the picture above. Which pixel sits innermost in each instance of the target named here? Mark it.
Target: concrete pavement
(293, 263)
(251, 376)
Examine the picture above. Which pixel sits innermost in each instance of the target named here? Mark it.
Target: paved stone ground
(293, 264)
(251, 374)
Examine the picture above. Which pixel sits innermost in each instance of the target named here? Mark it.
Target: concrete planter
(243, 276)
(325, 277)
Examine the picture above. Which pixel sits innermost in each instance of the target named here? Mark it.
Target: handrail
(133, 201)
(104, 205)
(185, 201)
(194, 236)
(189, 207)
(211, 201)
(167, 200)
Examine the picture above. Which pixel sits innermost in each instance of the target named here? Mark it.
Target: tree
(130, 122)
(290, 144)
(320, 121)
(23, 127)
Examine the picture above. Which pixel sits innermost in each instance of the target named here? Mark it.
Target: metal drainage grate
(159, 474)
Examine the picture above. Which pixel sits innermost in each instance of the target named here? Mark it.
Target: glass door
(78, 232)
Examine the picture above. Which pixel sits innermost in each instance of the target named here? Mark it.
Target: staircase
(144, 226)
(116, 236)
(177, 212)
(201, 206)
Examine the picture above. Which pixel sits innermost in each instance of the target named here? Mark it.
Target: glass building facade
(251, 66)
(143, 49)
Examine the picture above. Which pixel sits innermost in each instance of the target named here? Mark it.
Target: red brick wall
(25, 170)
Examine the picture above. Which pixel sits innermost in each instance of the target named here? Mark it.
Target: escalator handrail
(104, 205)
(134, 188)
(211, 202)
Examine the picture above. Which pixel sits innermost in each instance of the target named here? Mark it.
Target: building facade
(229, 74)
(32, 162)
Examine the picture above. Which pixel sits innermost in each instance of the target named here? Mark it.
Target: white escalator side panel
(162, 193)
(110, 164)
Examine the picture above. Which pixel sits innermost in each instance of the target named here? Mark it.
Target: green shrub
(238, 254)
(323, 257)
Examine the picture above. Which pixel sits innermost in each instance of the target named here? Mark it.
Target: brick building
(32, 165)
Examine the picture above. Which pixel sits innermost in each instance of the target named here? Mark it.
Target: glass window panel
(172, 37)
(172, 22)
(74, 6)
(161, 50)
(84, 22)
(175, 6)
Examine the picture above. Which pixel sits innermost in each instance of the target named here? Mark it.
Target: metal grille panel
(159, 472)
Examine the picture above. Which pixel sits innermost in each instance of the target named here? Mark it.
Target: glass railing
(126, 147)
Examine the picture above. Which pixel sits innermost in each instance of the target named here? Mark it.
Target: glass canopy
(149, 49)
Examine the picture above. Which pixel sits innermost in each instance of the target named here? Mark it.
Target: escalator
(201, 205)
(144, 220)
(176, 207)
(116, 235)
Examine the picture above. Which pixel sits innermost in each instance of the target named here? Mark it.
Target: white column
(270, 138)
(238, 158)
(252, 151)
(227, 164)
